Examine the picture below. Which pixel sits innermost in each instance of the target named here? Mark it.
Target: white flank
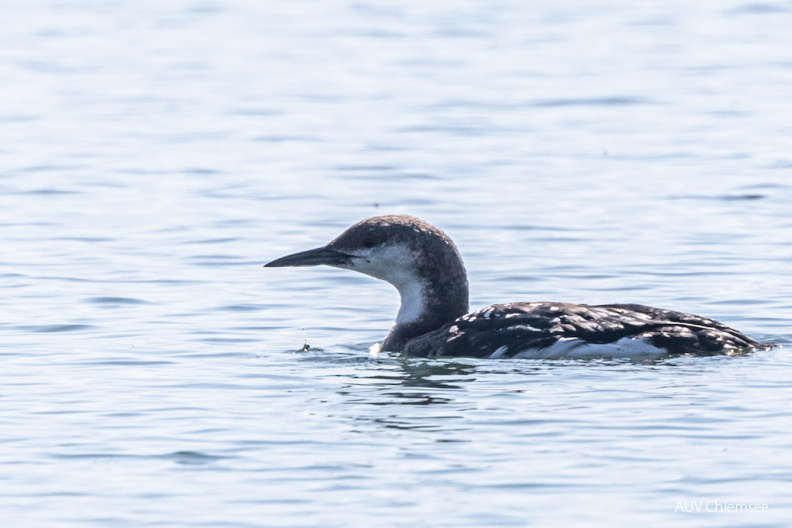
(573, 348)
(501, 352)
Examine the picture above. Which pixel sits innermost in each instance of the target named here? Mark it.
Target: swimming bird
(426, 268)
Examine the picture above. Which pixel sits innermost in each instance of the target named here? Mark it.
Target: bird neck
(426, 306)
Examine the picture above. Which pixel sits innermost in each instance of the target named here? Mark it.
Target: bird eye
(368, 243)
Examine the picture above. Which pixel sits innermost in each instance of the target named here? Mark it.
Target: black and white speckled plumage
(425, 266)
(528, 328)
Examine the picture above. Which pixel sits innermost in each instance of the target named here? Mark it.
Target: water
(154, 155)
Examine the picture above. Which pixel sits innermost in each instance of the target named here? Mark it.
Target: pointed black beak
(312, 257)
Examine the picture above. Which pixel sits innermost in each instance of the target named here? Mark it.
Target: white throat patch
(396, 265)
(412, 303)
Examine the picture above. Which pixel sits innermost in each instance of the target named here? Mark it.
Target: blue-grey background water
(154, 155)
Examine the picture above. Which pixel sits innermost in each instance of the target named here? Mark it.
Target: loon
(426, 268)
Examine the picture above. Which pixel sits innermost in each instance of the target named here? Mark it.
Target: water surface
(154, 156)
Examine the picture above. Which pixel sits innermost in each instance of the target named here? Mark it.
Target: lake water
(154, 155)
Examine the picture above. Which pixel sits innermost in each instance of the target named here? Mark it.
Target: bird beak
(312, 257)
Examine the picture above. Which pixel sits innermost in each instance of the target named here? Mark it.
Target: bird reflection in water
(437, 378)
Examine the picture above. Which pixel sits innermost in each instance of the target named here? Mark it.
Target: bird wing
(506, 330)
